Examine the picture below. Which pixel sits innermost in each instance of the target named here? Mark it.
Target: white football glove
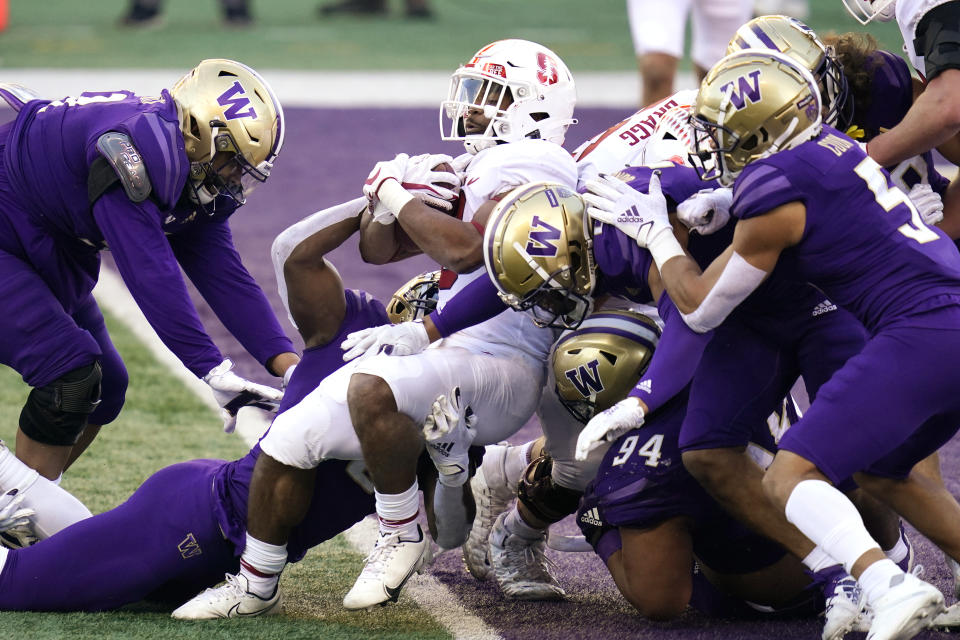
(449, 430)
(382, 172)
(438, 189)
(928, 202)
(609, 425)
(402, 339)
(642, 216)
(706, 211)
(232, 392)
(12, 513)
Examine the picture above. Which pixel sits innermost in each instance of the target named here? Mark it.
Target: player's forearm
(378, 242)
(681, 277)
(455, 244)
(932, 120)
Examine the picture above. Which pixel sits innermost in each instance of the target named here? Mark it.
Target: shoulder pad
(118, 150)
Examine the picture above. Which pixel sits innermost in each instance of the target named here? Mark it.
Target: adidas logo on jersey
(442, 447)
(646, 385)
(591, 516)
(824, 307)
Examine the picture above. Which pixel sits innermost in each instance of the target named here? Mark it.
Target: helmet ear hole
(194, 127)
(750, 143)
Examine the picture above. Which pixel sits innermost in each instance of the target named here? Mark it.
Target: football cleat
(229, 600)
(906, 609)
(844, 600)
(16, 531)
(493, 495)
(521, 567)
(954, 568)
(388, 567)
(948, 621)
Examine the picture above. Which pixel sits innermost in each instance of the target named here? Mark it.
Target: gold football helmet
(233, 129)
(797, 40)
(597, 365)
(416, 299)
(537, 253)
(752, 104)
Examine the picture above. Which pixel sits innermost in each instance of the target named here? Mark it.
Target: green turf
(288, 34)
(163, 423)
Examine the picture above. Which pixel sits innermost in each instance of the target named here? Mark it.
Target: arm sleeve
(676, 182)
(149, 269)
(475, 303)
(210, 260)
(674, 361)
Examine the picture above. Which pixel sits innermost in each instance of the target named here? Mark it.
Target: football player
(928, 28)
(511, 105)
(900, 277)
(154, 179)
(174, 535)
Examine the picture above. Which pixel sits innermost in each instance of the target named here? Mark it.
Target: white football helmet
(522, 88)
(671, 140)
(866, 11)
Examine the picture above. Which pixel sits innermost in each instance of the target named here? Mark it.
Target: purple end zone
(327, 155)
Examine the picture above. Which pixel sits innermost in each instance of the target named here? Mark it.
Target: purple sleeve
(208, 257)
(674, 360)
(151, 273)
(475, 303)
(677, 182)
(761, 188)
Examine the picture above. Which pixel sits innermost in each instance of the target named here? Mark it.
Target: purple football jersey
(48, 153)
(864, 245)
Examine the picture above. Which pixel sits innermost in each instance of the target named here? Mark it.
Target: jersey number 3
(889, 197)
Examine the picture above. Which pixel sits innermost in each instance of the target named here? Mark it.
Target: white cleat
(520, 566)
(493, 495)
(16, 529)
(909, 607)
(229, 600)
(388, 567)
(844, 611)
(948, 621)
(954, 568)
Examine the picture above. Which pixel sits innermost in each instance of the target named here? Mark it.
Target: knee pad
(545, 499)
(56, 414)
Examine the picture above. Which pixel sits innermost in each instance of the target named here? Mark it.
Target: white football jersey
(493, 172)
(909, 13)
(622, 144)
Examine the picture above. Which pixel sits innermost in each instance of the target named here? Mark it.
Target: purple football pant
(743, 376)
(161, 544)
(889, 407)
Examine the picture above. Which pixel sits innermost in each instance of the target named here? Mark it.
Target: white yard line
(327, 88)
(428, 592)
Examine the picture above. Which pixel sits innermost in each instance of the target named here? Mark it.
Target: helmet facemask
(866, 11)
(227, 173)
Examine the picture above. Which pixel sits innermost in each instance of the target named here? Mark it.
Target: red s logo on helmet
(547, 73)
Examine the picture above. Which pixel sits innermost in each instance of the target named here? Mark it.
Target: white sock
(56, 508)
(57, 480)
(900, 550)
(830, 520)
(515, 524)
(14, 474)
(876, 578)
(261, 564)
(3, 558)
(398, 511)
(818, 559)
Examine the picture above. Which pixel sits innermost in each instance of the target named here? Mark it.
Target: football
(403, 240)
